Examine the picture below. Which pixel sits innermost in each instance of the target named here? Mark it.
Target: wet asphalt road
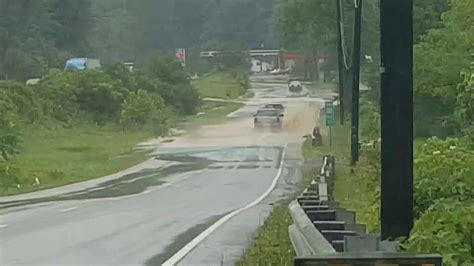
(145, 216)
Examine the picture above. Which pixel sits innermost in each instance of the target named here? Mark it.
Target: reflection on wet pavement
(181, 240)
(245, 158)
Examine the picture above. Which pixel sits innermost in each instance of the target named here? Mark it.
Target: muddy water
(230, 139)
(300, 119)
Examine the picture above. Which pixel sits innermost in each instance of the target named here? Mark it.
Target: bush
(173, 84)
(243, 80)
(93, 92)
(447, 228)
(100, 97)
(233, 56)
(144, 110)
(9, 128)
(443, 170)
(370, 121)
(24, 98)
(9, 176)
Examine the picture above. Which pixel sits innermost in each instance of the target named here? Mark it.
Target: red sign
(294, 57)
(322, 58)
(181, 55)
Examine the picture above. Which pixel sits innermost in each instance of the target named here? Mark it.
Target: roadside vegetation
(444, 144)
(272, 245)
(36, 39)
(444, 193)
(222, 84)
(67, 155)
(210, 113)
(74, 126)
(444, 122)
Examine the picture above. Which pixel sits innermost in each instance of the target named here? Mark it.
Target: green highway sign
(329, 110)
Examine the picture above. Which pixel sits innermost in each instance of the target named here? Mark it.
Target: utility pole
(340, 61)
(355, 82)
(396, 46)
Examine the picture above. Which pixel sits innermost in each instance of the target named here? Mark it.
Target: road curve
(144, 217)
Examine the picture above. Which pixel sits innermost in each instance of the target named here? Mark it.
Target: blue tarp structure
(76, 64)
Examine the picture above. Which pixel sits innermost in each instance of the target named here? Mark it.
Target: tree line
(36, 36)
(444, 112)
(443, 47)
(138, 99)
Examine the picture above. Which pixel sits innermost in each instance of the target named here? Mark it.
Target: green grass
(351, 187)
(64, 156)
(214, 113)
(319, 86)
(218, 85)
(272, 245)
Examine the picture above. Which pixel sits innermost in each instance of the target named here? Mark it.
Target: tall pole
(340, 62)
(396, 46)
(355, 83)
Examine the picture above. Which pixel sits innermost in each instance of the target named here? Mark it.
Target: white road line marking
(3, 225)
(178, 256)
(68, 209)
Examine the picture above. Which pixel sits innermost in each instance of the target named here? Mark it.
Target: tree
(241, 21)
(144, 109)
(427, 16)
(114, 37)
(74, 19)
(9, 127)
(464, 108)
(310, 27)
(173, 84)
(439, 58)
(36, 35)
(233, 56)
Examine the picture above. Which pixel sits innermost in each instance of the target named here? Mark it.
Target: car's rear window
(266, 113)
(276, 106)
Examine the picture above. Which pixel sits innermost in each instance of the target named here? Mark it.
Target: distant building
(291, 59)
(260, 66)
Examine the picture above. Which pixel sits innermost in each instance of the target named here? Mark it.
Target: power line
(340, 64)
(341, 36)
(357, 3)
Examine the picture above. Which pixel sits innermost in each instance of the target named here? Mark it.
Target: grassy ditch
(319, 86)
(223, 85)
(211, 113)
(64, 156)
(272, 245)
(68, 155)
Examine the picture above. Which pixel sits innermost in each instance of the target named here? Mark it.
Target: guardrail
(324, 231)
